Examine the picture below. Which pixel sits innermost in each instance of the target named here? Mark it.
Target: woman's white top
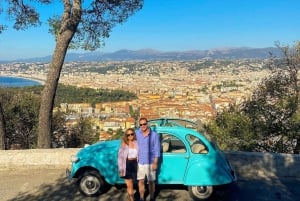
(132, 153)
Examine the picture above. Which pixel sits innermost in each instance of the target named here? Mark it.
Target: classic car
(187, 158)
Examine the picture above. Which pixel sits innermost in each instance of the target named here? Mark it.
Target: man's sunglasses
(144, 124)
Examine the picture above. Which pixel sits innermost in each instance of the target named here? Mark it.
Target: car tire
(91, 183)
(200, 193)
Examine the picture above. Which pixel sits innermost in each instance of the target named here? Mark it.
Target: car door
(174, 160)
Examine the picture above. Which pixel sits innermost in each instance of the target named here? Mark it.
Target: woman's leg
(129, 184)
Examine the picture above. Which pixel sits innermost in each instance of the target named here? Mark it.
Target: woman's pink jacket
(122, 157)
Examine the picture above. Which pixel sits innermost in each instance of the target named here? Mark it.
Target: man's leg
(142, 188)
(141, 180)
(151, 189)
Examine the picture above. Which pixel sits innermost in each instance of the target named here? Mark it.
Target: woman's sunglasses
(129, 134)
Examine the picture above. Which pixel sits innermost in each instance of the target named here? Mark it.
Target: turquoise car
(187, 158)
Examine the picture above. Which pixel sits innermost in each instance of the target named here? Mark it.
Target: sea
(6, 81)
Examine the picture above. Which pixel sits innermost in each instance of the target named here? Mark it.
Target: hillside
(149, 54)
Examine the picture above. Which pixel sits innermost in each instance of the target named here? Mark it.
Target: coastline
(40, 81)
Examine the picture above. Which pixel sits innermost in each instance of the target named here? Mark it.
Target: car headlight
(74, 159)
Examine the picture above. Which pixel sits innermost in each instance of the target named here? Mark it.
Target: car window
(171, 144)
(196, 145)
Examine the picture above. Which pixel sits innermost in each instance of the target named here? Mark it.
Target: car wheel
(91, 183)
(200, 192)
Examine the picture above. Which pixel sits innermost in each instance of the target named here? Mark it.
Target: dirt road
(51, 185)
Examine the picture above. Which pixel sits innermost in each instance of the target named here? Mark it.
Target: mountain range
(150, 54)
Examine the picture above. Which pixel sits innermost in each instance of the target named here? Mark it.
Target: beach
(18, 81)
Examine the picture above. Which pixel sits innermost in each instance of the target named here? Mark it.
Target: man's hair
(143, 118)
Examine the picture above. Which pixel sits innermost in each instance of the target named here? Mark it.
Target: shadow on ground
(61, 189)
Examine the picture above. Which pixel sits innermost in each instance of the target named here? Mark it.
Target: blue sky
(178, 25)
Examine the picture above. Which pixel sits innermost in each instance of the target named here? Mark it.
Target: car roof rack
(173, 122)
(179, 122)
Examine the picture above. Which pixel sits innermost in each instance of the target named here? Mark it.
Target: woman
(127, 160)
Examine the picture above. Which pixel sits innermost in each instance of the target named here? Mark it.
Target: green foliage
(269, 120)
(2, 28)
(232, 130)
(55, 24)
(21, 106)
(82, 133)
(24, 15)
(58, 120)
(97, 20)
(134, 113)
(81, 25)
(119, 134)
(21, 116)
(209, 63)
(204, 89)
(103, 69)
(72, 94)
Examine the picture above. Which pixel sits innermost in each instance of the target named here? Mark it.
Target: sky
(177, 25)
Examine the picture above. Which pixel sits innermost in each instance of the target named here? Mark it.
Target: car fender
(200, 173)
(106, 167)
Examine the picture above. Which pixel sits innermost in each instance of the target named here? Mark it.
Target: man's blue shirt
(149, 147)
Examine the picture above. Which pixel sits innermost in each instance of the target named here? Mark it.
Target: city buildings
(194, 90)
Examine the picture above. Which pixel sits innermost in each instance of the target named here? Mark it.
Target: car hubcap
(201, 189)
(202, 192)
(90, 184)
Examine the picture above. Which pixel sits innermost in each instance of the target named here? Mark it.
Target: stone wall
(246, 164)
(36, 158)
(255, 164)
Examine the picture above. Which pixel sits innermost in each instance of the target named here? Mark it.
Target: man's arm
(156, 151)
(154, 164)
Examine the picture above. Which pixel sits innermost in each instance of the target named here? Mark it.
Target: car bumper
(68, 175)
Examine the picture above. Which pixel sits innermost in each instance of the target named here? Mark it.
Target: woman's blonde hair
(125, 139)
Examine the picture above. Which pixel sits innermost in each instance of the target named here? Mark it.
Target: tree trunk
(2, 129)
(48, 96)
(70, 20)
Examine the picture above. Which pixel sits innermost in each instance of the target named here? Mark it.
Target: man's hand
(154, 166)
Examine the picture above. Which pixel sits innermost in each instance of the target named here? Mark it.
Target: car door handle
(186, 156)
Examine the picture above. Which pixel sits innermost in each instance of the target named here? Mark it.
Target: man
(148, 155)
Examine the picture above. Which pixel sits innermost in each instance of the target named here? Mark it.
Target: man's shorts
(146, 171)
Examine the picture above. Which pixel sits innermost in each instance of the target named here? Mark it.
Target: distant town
(195, 90)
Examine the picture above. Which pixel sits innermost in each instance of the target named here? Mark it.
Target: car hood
(101, 148)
